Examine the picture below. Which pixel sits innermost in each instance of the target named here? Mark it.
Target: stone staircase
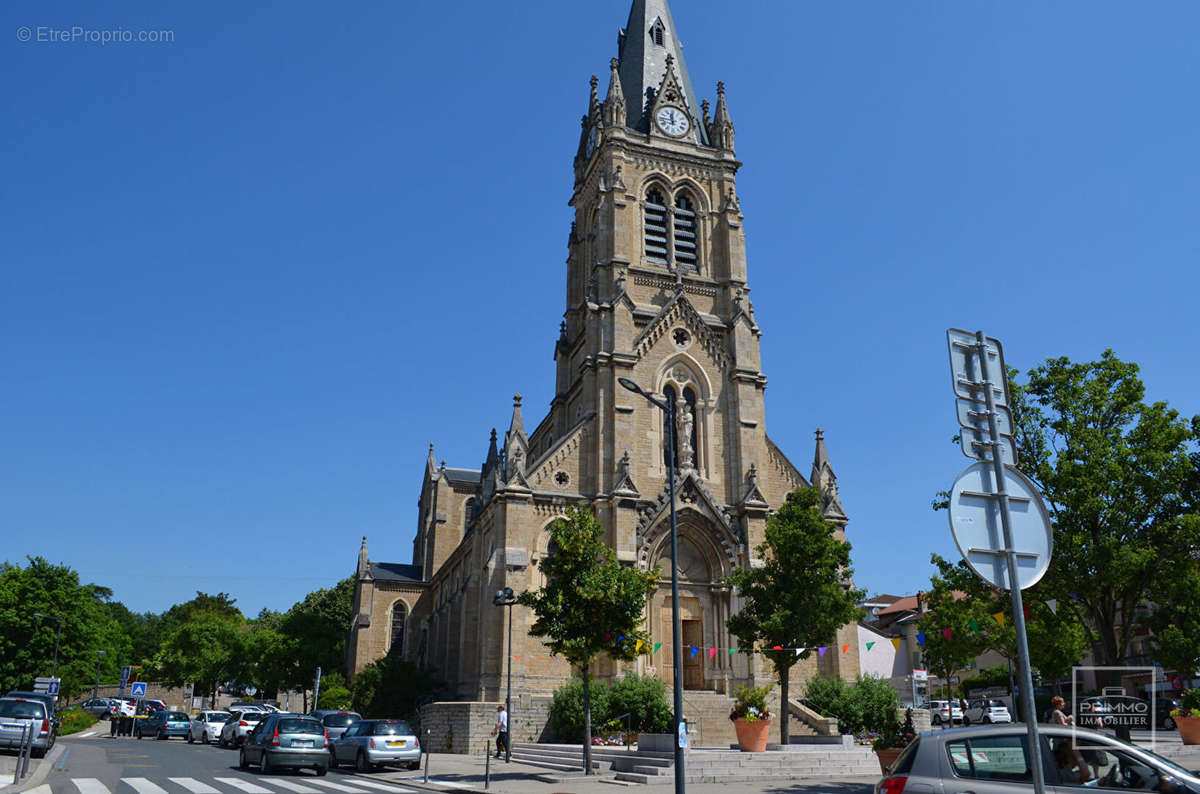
(709, 725)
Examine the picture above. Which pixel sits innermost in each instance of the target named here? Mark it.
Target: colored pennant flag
(921, 640)
(711, 653)
(1073, 596)
(869, 644)
(896, 643)
(946, 633)
(973, 625)
(799, 651)
(1053, 606)
(637, 646)
(619, 639)
(694, 649)
(1025, 610)
(732, 651)
(845, 649)
(999, 617)
(607, 637)
(657, 645)
(777, 648)
(821, 651)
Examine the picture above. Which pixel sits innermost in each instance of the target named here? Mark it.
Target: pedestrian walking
(501, 731)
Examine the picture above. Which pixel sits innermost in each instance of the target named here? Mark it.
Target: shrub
(750, 703)
(869, 704)
(391, 687)
(645, 698)
(566, 711)
(74, 720)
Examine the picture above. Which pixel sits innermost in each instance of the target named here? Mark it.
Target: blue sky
(248, 275)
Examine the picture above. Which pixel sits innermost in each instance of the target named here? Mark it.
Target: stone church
(657, 290)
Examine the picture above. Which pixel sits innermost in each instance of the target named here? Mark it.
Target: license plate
(302, 743)
(400, 743)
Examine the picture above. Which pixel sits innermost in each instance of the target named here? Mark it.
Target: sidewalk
(39, 768)
(450, 772)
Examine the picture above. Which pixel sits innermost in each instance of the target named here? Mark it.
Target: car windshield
(340, 720)
(395, 728)
(218, 716)
(22, 708)
(299, 725)
(176, 716)
(996, 704)
(1171, 765)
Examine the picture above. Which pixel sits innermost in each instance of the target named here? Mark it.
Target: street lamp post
(96, 688)
(676, 630)
(506, 598)
(57, 637)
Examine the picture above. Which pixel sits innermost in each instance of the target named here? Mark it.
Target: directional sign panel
(975, 523)
(125, 673)
(966, 370)
(977, 444)
(974, 414)
(138, 689)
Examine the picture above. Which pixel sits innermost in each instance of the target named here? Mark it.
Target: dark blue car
(163, 725)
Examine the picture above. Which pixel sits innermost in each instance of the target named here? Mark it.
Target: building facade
(657, 290)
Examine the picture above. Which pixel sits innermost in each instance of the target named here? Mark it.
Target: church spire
(720, 132)
(643, 46)
(614, 101)
(826, 482)
(364, 564)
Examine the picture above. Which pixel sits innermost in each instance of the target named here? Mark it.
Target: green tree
(316, 629)
(1119, 478)
(393, 687)
(144, 630)
(590, 604)
(205, 644)
(800, 596)
(27, 642)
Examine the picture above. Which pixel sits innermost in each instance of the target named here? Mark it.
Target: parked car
(993, 759)
(943, 711)
(97, 707)
(147, 706)
(290, 741)
(370, 744)
(251, 706)
(49, 700)
(986, 711)
(17, 715)
(206, 726)
(238, 726)
(163, 725)
(336, 722)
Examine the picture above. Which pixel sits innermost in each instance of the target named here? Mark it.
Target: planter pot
(1189, 729)
(752, 736)
(888, 757)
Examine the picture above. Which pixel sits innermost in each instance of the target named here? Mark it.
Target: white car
(942, 711)
(986, 711)
(206, 726)
(238, 727)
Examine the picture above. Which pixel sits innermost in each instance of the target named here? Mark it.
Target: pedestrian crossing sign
(137, 689)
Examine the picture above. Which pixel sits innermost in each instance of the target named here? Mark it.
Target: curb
(41, 769)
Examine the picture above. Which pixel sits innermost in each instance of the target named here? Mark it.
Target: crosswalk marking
(446, 783)
(244, 785)
(143, 786)
(90, 785)
(290, 785)
(338, 786)
(193, 785)
(384, 786)
(89, 733)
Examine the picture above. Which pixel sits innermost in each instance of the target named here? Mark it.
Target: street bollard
(17, 767)
(487, 764)
(428, 731)
(27, 750)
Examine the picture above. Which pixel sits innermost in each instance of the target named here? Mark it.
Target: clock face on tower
(672, 121)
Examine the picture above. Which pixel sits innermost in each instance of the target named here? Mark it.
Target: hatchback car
(986, 711)
(238, 727)
(336, 722)
(370, 744)
(206, 726)
(51, 702)
(286, 741)
(945, 711)
(97, 707)
(18, 716)
(995, 760)
(163, 725)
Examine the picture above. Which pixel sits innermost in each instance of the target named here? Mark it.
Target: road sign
(972, 413)
(920, 675)
(137, 689)
(46, 685)
(125, 673)
(967, 372)
(978, 444)
(976, 524)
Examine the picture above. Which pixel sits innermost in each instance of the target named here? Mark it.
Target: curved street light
(506, 598)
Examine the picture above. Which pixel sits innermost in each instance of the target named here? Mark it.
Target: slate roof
(462, 476)
(642, 64)
(396, 572)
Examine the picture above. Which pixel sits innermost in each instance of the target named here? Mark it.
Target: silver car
(17, 716)
(994, 759)
(370, 744)
(336, 722)
(286, 741)
(206, 726)
(238, 727)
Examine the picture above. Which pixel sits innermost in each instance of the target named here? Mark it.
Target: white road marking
(42, 789)
(446, 783)
(338, 786)
(384, 787)
(244, 785)
(89, 733)
(193, 785)
(300, 788)
(90, 785)
(143, 786)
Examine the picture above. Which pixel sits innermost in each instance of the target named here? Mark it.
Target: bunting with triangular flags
(845, 649)
(694, 649)
(638, 646)
(921, 640)
(973, 625)
(821, 651)
(999, 617)
(946, 633)
(869, 644)
(1053, 606)
(657, 645)
(711, 653)
(896, 643)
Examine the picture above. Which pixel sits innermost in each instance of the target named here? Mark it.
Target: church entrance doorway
(693, 663)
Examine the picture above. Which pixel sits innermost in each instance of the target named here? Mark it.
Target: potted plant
(892, 740)
(751, 717)
(1187, 716)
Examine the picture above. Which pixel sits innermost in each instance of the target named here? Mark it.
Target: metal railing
(24, 750)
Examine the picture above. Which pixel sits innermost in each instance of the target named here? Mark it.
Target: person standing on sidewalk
(501, 731)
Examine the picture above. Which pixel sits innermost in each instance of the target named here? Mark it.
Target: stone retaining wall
(458, 727)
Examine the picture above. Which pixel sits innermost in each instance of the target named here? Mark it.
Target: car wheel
(160, 736)
(333, 762)
(242, 762)
(937, 719)
(966, 721)
(191, 739)
(414, 765)
(361, 763)
(264, 765)
(987, 720)
(320, 770)
(204, 737)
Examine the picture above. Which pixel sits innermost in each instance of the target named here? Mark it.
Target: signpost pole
(1028, 712)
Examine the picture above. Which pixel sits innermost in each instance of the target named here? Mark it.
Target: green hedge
(644, 697)
(869, 704)
(74, 720)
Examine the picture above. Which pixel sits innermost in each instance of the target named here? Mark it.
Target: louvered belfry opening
(684, 235)
(655, 220)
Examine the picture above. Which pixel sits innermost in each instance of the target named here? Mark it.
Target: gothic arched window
(684, 231)
(399, 618)
(670, 395)
(655, 221)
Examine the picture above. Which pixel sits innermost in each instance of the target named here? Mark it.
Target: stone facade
(657, 291)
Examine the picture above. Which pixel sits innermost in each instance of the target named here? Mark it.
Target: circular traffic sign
(976, 525)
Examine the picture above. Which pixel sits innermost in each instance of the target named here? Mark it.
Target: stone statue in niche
(685, 422)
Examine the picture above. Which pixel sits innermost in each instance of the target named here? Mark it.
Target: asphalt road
(99, 764)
